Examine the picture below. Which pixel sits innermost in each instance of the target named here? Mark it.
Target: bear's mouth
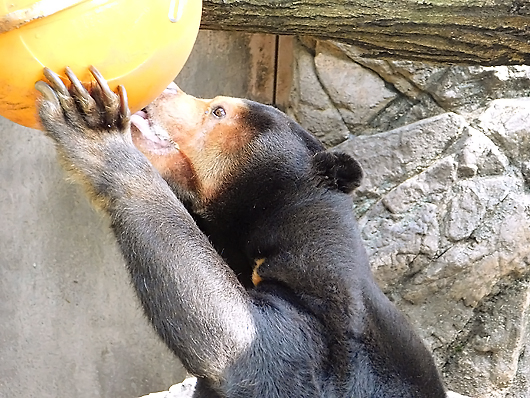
(156, 137)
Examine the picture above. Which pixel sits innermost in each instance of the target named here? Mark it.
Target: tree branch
(450, 31)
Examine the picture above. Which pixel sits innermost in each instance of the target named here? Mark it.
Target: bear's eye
(219, 112)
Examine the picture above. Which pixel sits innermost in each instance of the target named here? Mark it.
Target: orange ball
(139, 44)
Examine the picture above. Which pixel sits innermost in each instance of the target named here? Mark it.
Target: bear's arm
(187, 291)
(191, 297)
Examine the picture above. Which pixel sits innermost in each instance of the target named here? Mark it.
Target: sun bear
(238, 233)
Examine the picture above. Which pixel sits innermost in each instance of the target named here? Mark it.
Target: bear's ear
(339, 170)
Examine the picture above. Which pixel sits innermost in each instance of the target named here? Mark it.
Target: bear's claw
(100, 107)
(47, 92)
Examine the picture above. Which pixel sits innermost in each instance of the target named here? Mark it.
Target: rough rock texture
(444, 215)
(444, 209)
(369, 95)
(311, 104)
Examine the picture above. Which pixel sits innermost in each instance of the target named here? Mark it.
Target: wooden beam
(481, 32)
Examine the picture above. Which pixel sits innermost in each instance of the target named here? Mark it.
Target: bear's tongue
(141, 122)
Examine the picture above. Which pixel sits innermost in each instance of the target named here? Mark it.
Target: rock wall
(444, 209)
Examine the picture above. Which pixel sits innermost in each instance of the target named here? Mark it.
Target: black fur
(339, 170)
(316, 326)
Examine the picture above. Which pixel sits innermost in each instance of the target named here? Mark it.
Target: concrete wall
(255, 66)
(70, 324)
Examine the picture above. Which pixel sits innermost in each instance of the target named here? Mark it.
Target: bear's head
(207, 147)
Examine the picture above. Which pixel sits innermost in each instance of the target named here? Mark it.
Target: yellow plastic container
(141, 44)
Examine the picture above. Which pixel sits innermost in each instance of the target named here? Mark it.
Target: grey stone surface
(377, 95)
(356, 92)
(311, 105)
(444, 214)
